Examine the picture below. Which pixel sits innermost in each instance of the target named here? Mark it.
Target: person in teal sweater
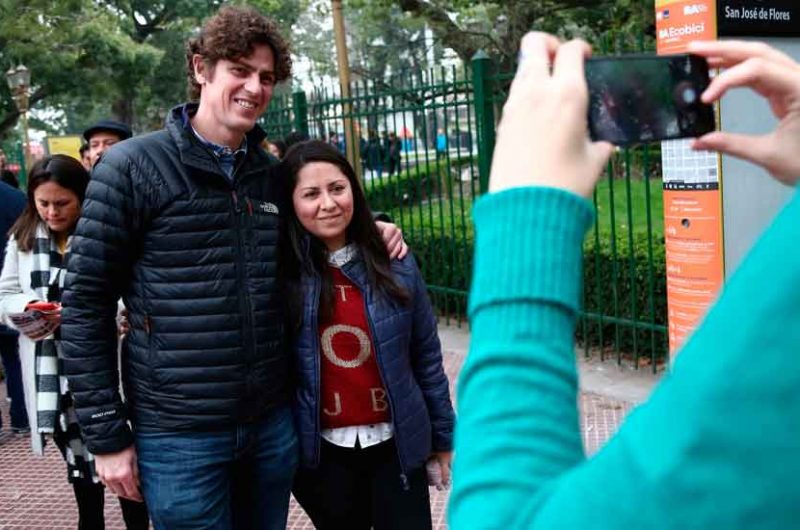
(717, 445)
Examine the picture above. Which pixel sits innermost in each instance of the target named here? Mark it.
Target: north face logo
(268, 207)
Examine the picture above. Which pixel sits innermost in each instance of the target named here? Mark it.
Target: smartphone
(43, 306)
(637, 99)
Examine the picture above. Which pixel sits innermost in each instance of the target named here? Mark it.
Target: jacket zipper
(240, 266)
(379, 363)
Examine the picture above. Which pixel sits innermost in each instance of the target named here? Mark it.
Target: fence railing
(425, 142)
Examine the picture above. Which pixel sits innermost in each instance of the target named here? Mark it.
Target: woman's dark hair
(9, 178)
(361, 230)
(281, 145)
(60, 169)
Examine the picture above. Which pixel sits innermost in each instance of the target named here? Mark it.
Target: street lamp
(19, 82)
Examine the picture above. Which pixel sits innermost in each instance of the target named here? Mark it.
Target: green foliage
(624, 278)
(106, 58)
(382, 40)
(413, 185)
(623, 282)
(617, 283)
(497, 27)
(616, 212)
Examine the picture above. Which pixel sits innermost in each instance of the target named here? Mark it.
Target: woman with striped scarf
(33, 272)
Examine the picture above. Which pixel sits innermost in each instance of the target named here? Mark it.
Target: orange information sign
(681, 21)
(693, 240)
(692, 197)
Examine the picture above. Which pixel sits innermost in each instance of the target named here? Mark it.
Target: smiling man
(184, 224)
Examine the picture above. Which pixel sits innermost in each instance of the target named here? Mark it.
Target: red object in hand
(43, 306)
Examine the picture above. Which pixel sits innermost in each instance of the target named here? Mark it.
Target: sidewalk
(34, 493)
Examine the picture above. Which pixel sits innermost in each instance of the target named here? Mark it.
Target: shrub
(410, 186)
(617, 285)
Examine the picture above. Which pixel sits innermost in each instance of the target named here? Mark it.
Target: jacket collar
(193, 153)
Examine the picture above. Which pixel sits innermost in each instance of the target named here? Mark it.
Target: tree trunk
(123, 110)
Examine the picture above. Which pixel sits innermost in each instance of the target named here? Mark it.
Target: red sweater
(352, 391)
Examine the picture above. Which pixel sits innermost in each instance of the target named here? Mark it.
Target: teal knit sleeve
(715, 446)
(518, 388)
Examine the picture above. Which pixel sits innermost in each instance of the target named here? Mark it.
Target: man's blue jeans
(233, 479)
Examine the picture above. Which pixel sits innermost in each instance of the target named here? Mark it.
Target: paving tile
(34, 492)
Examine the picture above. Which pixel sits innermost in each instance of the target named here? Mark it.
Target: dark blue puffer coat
(409, 357)
(195, 259)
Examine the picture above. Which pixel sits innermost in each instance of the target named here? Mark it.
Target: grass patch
(622, 203)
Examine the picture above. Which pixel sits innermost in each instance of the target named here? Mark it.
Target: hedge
(410, 186)
(447, 262)
(617, 284)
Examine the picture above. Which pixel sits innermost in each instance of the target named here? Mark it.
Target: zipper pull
(404, 480)
(235, 202)
(249, 206)
(147, 324)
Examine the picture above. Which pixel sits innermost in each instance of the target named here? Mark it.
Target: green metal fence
(445, 121)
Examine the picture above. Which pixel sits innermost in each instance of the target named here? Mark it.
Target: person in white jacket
(32, 279)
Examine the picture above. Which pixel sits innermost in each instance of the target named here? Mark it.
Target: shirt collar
(347, 253)
(219, 150)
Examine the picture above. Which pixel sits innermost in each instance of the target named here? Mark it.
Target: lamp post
(19, 81)
(351, 141)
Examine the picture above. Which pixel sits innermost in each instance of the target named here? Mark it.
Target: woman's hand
(439, 469)
(776, 77)
(543, 137)
(50, 314)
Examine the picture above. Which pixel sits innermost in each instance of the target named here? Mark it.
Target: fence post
(300, 108)
(484, 114)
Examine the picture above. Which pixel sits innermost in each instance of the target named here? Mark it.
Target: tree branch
(448, 31)
(9, 121)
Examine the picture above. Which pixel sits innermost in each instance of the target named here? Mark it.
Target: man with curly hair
(183, 224)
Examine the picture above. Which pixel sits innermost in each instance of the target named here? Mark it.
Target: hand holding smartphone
(44, 306)
(51, 311)
(638, 99)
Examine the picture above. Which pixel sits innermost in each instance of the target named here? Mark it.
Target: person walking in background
(102, 135)
(441, 144)
(393, 153)
(34, 271)
(85, 159)
(13, 202)
(374, 155)
(716, 445)
(372, 404)
(6, 175)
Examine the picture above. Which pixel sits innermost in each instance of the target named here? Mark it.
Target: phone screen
(640, 99)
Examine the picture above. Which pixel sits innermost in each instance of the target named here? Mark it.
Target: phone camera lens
(689, 95)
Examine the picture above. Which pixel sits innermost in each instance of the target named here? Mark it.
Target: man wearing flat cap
(103, 135)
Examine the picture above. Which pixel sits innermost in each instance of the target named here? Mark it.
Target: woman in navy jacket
(373, 404)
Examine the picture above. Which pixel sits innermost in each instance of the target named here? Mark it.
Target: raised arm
(716, 444)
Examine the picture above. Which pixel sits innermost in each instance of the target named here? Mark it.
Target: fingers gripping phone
(647, 98)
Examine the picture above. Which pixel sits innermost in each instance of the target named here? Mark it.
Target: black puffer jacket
(194, 258)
